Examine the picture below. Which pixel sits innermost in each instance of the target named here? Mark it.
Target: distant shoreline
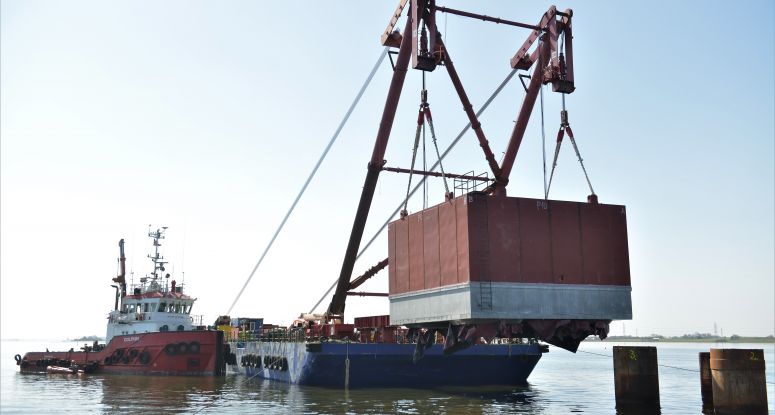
(737, 339)
(86, 339)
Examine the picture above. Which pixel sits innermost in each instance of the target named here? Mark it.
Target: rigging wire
(564, 129)
(543, 142)
(424, 178)
(581, 161)
(418, 132)
(436, 147)
(313, 172)
(543, 129)
(445, 27)
(424, 159)
(425, 168)
(658, 364)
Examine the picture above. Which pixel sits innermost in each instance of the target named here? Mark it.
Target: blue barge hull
(384, 364)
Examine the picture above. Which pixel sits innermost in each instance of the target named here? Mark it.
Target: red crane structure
(421, 42)
(558, 271)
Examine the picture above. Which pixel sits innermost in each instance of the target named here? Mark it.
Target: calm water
(562, 383)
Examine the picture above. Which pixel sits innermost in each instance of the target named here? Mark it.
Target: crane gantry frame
(422, 43)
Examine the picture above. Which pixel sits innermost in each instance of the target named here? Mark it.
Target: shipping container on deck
(479, 257)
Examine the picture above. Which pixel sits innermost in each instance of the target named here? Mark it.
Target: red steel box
(495, 257)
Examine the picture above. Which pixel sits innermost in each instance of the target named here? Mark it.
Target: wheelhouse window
(145, 307)
(162, 307)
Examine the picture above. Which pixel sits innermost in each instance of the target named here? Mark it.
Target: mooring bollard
(706, 383)
(636, 376)
(739, 382)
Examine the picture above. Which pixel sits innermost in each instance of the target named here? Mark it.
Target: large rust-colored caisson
(485, 266)
(481, 257)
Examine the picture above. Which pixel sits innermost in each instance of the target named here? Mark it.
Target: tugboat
(150, 332)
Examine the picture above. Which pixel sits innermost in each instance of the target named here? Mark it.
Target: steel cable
(543, 128)
(312, 174)
(433, 167)
(658, 364)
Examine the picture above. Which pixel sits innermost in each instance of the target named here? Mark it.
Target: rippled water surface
(561, 383)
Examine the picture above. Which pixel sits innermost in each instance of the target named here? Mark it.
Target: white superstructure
(153, 305)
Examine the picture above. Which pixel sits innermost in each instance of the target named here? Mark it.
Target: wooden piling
(636, 376)
(739, 382)
(706, 383)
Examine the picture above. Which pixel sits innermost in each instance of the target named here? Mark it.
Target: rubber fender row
(250, 360)
(126, 356)
(228, 357)
(181, 348)
(268, 362)
(276, 363)
(50, 362)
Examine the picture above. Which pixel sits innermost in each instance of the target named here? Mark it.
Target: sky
(207, 117)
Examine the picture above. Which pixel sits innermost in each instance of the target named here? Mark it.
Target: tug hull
(185, 353)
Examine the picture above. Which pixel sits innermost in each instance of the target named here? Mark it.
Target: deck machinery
(485, 265)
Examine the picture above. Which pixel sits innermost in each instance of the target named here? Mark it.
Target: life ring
(194, 347)
(171, 349)
(145, 357)
(18, 358)
(182, 347)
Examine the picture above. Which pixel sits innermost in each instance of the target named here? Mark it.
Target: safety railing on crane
(462, 185)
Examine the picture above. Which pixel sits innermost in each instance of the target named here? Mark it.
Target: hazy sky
(207, 117)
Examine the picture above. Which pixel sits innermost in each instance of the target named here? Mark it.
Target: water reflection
(266, 396)
(157, 393)
(563, 383)
(634, 410)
